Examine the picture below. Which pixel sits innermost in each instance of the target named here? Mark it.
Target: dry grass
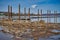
(19, 27)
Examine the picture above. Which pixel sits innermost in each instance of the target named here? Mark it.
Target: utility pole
(55, 17)
(47, 17)
(8, 13)
(38, 14)
(41, 14)
(19, 11)
(25, 13)
(11, 12)
(46, 29)
(49, 12)
(29, 13)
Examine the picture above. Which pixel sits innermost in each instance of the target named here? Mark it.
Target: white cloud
(34, 6)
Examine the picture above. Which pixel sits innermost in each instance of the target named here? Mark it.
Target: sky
(33, 4)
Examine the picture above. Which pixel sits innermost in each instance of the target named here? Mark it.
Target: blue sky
(33, 4)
